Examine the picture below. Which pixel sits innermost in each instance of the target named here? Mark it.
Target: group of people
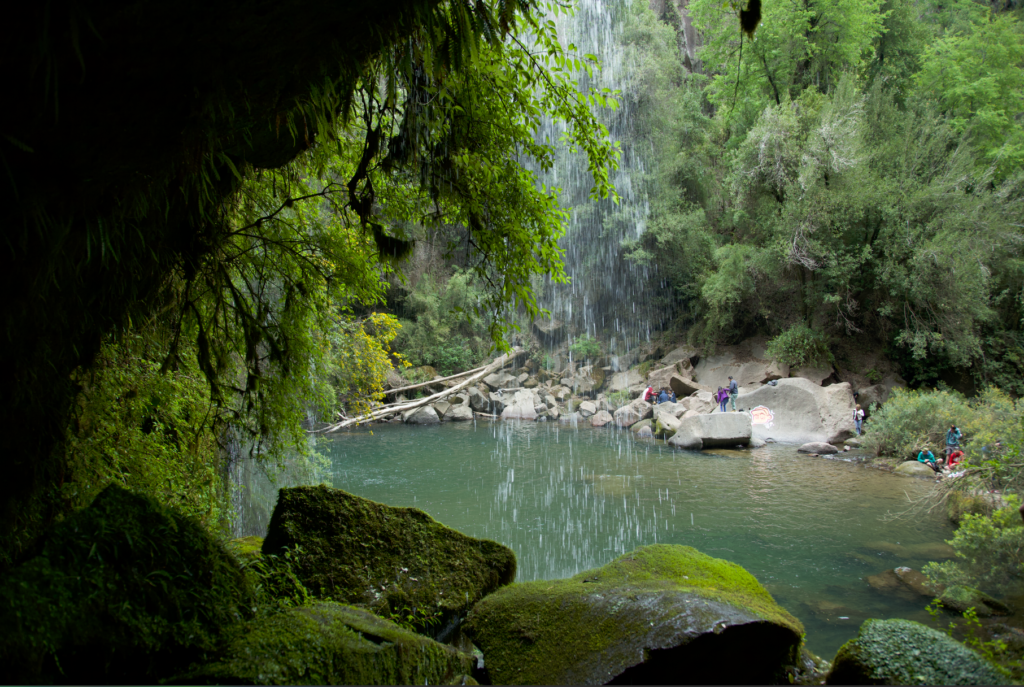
(666, 395)
(725, 395)
(953, 453)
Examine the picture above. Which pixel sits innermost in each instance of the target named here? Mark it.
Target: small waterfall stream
(606, 298)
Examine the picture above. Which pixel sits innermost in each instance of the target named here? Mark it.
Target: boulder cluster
(344, 590)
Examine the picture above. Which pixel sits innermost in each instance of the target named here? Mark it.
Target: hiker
(928, 458)
(672, 396)
(952, 439)
(734, 391)
(858, 418)
(721, 396)
(954, 459)
(663, 396)
(649, 395)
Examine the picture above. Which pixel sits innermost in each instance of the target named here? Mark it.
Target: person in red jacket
(954, 458)
(649, 395)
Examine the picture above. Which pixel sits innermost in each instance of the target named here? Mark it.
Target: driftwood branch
(389, 392)
(381, 413)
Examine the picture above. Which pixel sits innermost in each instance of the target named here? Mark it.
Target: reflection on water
(571, 499)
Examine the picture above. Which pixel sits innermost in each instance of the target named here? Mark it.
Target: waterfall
(606, 298)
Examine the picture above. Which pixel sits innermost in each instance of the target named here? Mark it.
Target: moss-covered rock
(389, 560)
(246, 548)
(959, 598)
(662, 614)
(330, 644)
(125, 590)
(902, 652)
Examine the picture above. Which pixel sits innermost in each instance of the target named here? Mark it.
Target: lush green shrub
(453, 357)
(989, 552)
(911, 420)
(440, 323)
(800, 345)
(585, 347)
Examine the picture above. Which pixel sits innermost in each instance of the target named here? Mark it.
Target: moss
(960, 504)
(389, 560)
(658, 602)
(246, 548)
(331, 644)
(902, 652)
(637, 426)
(125, 590)
(959, 598)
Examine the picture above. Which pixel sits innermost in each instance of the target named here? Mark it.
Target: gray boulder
(666, 424)
(442, 407)
(587, 408)
(902, 652)
(814, 373)
(873, 396)
(622, 381)
(645, 432)
(553, 412)
(424, 415)
(708, 431)
(818, 447)
(478, 401)
(459, 413)
(562, 394)
(521, 407)
(629, 415)
(798, 411)
(747, 362)
(913, 468)
(601, 418)
(496, 402)
(683, 354)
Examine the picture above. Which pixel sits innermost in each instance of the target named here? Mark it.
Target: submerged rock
(662, 614)
(330, 644)
(124, 591)
(708, 431)
(819, 447)
(384, 558)
(902, 652)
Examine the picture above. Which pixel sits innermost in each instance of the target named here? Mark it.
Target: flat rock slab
(797, 411)
(330, 644)
(384, 558)
(663, 614)
(708, 431)
(902, 652)
(819, 447)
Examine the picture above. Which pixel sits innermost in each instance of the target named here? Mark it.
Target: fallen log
(380, 413)
(389, 392)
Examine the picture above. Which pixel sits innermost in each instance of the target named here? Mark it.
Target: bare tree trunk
(412, 405)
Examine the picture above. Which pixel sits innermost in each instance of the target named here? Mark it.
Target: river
(568, 499)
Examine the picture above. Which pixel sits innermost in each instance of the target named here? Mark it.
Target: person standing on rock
(734, 391)
(952, 439)
(721, 396)
(858, 418)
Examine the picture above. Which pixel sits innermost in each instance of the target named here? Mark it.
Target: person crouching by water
(858, 418)
(928, 458)
(722, 396)
(954, 459)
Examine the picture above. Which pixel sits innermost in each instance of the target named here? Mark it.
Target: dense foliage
(246, 232)
(853, 169)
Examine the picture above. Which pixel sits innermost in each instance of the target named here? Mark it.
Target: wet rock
(902, 652)
(479, 401)
(553, 412)
(441, 407)
(959, 598)
(522, 377)
(666, 424)
(601, 418)
(549, 400)
(903, 582)
(834, 612)
(853, 443)
(531, 383)
(330, 644)
(644, 432)
(709, 431)
(916, 582)
(622, 381)
(587, 408)
(424, 415)
(501, 380)
(497, 401)
(818, 447)
(125, 591)
(521, 407)
(913, 468)
(550, 330)
(663, 614)
(460, 413)
(562, 394)
(570, 418)
(383, 558)
(629, 415)
(637, 426)
(799, 411)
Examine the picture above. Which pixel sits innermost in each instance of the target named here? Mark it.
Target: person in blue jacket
(928, 458)
(952, 439)
(734, 391)
(663, 397)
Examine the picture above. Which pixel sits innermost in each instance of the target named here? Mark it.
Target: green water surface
(568, 499)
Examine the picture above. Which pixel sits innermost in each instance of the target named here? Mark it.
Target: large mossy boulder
(330, 644)
(902, 652)
(663, 614)
(386, 559)
(126, 590)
